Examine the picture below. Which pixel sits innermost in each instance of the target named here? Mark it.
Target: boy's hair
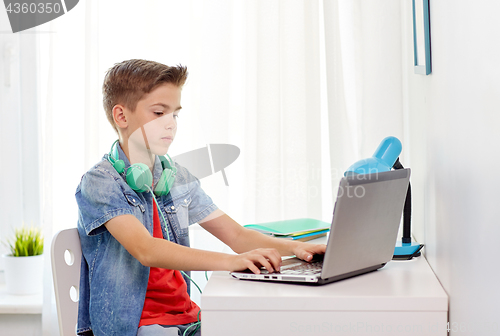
(127, 82)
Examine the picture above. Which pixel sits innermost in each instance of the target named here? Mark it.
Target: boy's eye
(161, 113)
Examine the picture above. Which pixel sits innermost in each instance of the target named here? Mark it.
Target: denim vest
(112, 282)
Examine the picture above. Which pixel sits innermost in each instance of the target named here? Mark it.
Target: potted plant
(24, 263)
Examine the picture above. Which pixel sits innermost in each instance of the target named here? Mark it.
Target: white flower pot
(23, 275)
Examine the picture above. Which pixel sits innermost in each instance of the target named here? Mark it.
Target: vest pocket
(134, 201)
(177, 214)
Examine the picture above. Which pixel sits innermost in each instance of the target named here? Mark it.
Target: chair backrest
(66, 255)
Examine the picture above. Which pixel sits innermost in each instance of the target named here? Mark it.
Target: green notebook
(290, 227)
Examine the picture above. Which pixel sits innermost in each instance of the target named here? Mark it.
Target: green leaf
(27, 242)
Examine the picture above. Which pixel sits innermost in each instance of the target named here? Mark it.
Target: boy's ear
(119, 116)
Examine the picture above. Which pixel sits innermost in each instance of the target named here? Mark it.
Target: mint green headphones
(139, 177)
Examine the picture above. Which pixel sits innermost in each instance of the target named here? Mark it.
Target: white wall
(453, 118)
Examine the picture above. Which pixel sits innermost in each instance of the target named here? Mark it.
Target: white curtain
(364, 78)
(287, 82)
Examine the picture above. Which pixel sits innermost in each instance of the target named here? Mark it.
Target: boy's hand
(253, 260)
(306, 251)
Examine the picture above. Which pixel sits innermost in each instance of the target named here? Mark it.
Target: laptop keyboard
(303, 268)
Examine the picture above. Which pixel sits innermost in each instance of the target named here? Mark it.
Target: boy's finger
(254, 269)
(264, 262)
(275, 259)
(321, 248)
(307, 256)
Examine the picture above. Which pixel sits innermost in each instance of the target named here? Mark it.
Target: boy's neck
(138, 155)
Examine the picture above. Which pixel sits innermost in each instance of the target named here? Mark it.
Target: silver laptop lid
(366, 220)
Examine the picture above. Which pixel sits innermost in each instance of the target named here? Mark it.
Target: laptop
(363, 233)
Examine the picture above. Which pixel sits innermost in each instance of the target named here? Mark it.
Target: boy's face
(153, 124)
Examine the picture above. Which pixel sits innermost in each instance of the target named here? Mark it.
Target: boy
(130, 279)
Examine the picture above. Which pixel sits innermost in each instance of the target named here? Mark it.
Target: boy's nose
(170, 122)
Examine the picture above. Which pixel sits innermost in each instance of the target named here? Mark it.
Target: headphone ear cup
(119, 165)
(165, 182)
(139, 177)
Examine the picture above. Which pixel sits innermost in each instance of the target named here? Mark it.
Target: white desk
(403, 298)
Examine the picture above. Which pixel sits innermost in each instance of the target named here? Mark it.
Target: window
(19, 134)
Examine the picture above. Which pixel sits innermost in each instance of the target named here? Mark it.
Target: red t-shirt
(167, 301)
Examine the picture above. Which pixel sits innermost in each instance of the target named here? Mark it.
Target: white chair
(66, 256)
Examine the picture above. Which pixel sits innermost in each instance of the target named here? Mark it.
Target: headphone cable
(197, 324)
